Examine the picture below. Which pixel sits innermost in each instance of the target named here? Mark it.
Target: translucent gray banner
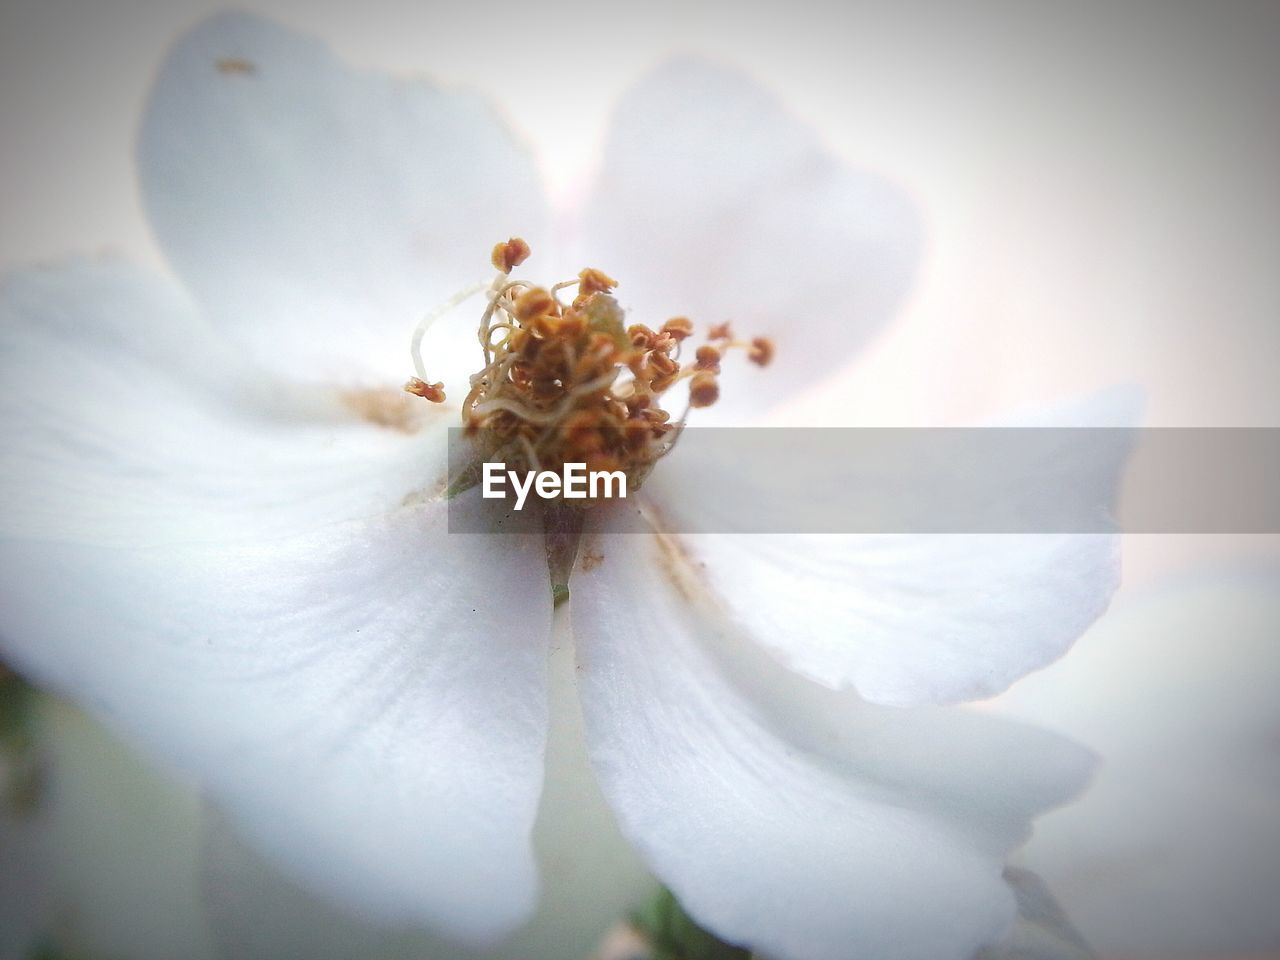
(907, 480)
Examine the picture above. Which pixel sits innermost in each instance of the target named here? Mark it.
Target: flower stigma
(571, 382)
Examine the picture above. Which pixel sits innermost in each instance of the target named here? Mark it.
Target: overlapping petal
(903, 618)
(317, 211)
(804, 823)
(254, 601)
(126, 419)
(912, 619)
(714, 202)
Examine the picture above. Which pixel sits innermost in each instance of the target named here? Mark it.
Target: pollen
(570, 381)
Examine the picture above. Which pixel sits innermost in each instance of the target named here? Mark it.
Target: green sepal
(466, 478)
(562, 526)
(674, 935)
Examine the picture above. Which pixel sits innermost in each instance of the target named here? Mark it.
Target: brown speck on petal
(385, 407)
(426, 494)
(683, 572)
(236, 65)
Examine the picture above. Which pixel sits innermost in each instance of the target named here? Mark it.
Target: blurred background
(1098, 183)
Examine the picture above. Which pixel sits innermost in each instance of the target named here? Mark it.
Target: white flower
(223, 532)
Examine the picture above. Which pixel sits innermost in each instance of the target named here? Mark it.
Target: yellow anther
(427, 391)
(678, 328)
(534, 302)
(761, 351)
(592, 281)
(707, 357)
(510, 254)
(704, 390)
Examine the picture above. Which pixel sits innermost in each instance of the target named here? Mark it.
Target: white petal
(902, 618)
(318, 211)
(716, 203)
(1176, 849)
(912, 619)
(230, 574)
(591, 876)
(125, 419)
(368, 701)
(798, 821)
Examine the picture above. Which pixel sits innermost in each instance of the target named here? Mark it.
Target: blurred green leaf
(21, 772)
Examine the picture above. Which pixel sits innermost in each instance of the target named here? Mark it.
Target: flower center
(571, 382)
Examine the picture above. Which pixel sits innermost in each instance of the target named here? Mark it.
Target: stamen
(510, 254)
(415, 344)
(761, 351)
(570, 383)
(427, 391)
(592, 281)
(704, 390)
(678, 328)
(707, 358)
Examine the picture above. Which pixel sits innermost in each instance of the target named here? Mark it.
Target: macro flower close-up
(236, 534)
